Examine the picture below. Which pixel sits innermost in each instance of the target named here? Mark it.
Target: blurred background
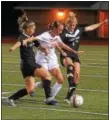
(44, 12)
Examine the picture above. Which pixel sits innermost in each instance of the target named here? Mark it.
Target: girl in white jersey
(50, 40)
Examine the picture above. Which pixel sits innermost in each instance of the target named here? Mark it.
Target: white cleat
(10, 102)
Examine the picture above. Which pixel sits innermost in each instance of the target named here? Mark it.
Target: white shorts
(46, 61)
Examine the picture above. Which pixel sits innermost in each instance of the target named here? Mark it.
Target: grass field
(93, 86)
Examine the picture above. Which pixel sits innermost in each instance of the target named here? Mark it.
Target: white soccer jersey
(51, 59)
(47, 40)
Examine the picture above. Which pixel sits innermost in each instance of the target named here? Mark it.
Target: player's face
(59, 29)
(71, 26)
(31, 30)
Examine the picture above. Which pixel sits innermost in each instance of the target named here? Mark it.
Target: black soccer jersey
(26, 52)
(28, 64)
(72, 39)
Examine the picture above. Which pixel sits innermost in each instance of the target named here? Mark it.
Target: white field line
(95, 76)
(87, 90)
(65, 110)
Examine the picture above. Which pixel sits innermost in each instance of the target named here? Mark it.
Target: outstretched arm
(62, 45)
(29, 40)
(95, 26)
(15, 46)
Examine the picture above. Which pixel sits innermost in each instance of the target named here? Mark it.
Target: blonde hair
(71, 20)
(71, 15)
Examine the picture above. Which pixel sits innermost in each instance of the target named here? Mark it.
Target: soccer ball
(76, 100)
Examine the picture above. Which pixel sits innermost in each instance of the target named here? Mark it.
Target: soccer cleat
(11, 102)
(51, 101)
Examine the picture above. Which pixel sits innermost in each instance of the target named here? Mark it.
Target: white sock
(56, 88)
(38, 85)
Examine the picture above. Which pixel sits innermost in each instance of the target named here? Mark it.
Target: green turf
(94, 76)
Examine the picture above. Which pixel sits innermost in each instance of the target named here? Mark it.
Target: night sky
(9, 17)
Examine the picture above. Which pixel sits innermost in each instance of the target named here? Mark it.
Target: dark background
(9, 17)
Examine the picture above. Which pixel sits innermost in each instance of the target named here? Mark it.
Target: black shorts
(29, 68)
(73, 57)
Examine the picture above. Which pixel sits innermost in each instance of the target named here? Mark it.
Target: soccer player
(29, 67)
(51, 39)
(71, 36)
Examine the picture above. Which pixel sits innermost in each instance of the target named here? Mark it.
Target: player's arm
(31, 39)
(64, 46)
(15, 46)
(61, 50)
(95, 26)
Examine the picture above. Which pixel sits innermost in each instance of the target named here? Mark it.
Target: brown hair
(54, 24)
(27, 24)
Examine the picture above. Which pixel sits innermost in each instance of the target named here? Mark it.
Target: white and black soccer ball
(76, 100)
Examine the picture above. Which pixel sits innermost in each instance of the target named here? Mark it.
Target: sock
(56, 88)
(72, 87)
(39, 85)
(19, 94)
(47, 88)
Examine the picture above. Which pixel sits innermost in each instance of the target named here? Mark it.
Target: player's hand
(80, 52)
(11, 49)
(106, 20)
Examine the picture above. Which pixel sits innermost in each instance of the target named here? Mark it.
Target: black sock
(72, 87)
(47, 88)
(19, 94)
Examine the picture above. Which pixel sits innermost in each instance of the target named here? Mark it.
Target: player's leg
(56, 72)
(29, 81)
(77, 72)
(46, 79)
(45, 65)
(70, 76)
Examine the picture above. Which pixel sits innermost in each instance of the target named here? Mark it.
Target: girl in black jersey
(29, 68)
(71, 36)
